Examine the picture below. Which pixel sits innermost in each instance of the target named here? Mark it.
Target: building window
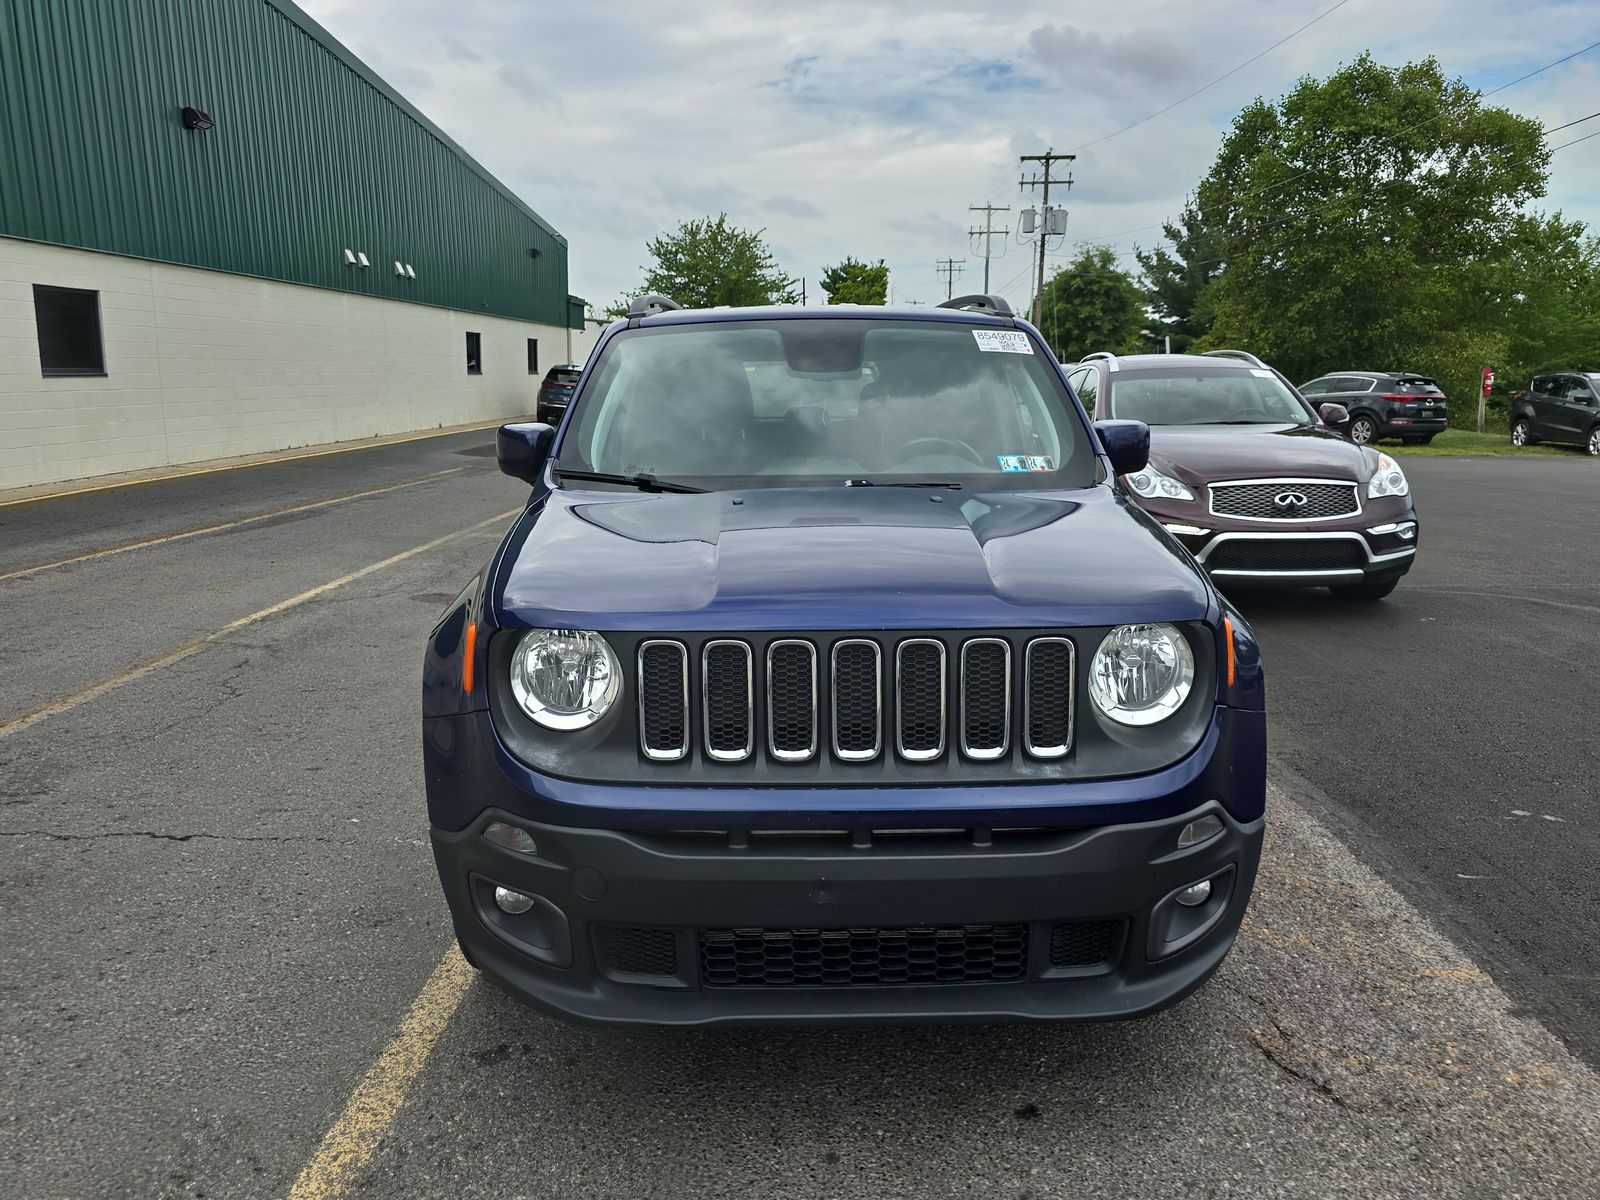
(533, 356)
(69, 331)
(474, 354)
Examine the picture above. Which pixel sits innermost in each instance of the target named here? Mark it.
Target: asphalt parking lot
(227, 969)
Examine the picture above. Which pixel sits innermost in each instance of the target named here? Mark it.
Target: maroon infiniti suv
(1261, 488)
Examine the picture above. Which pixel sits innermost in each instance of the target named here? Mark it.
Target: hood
(1202, 453)
(841, 558)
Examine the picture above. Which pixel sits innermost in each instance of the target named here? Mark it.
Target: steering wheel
(947, 443)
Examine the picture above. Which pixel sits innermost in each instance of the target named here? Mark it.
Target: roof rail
(1105, 354)
(1244, 355)
(649, 306)
(994, 305)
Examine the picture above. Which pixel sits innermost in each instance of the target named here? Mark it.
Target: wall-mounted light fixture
(535, 252)
(410, 273)
(198, 119)
(361, 259)
(349, 258)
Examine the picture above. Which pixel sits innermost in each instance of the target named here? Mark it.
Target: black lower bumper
(968, 925)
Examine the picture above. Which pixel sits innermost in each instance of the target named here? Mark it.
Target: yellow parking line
(350, 1144)
(179, 653)
(261, 462)
(37, 568)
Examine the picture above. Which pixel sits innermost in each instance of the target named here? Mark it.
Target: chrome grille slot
(791, 700)
(919, 699)
(663, 700)
(1048, 691)
(985, 698)
(857, 699)
(727, 700)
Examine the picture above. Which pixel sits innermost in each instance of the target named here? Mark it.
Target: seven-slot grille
(816, 698)
(1308, 500)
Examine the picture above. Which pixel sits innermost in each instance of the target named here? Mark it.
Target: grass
(1469, 442)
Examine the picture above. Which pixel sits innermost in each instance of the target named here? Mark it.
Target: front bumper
(738, 928)
(1366, 551)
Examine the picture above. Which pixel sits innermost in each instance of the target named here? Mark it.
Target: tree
(1176, 279)
(709, 262)
(1354, 214)
(1090, 305)
(853, 282)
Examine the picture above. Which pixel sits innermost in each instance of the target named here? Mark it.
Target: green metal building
(179, 168)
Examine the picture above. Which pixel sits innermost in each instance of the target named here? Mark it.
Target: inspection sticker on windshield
(1002, 341)
(1026, 462)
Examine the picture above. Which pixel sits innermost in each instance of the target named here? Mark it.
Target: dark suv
(1384, 404)
(1561, 407)
(555, 393)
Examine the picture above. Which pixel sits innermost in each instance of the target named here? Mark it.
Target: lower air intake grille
(629, 950)
(1308, 554)
(1084, 943)
(862, 957)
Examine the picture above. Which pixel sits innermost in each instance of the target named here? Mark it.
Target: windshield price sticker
(1002, 341)
(1026, 462)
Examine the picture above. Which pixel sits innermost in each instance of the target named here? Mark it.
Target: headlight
(1141, 674)
(1151, 482)
(1388, 480)
(565, 678)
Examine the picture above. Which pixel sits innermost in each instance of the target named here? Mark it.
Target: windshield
(1198, 397)
(824, 402)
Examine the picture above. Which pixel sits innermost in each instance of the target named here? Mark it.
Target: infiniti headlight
(1388, 479)
(1141, 674)
(1151, 482)
(565, 678)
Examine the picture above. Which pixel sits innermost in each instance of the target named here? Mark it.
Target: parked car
(829, 676)
(1260, 488)
(555, 392)
(1561, 407)
(1393, 404)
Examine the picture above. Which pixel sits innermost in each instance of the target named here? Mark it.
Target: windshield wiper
(642, 480)
(914, 483)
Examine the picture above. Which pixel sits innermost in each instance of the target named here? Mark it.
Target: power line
(1575, 141)
(1570, 124)
(1326, 13)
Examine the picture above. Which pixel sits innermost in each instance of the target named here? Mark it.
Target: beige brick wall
(202, 364)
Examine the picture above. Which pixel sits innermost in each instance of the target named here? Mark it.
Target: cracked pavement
(217, 902)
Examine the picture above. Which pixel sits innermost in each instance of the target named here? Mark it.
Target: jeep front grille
(791, 699)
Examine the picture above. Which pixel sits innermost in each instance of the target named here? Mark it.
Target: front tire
(1373, 590)
(1522, 432)
(1363, 429)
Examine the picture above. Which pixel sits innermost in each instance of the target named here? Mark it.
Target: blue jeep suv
(832, 674)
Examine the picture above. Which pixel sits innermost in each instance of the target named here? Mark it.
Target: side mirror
(1336, 415)
(1127, 444)
(521, 449)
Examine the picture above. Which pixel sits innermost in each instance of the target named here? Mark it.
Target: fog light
(510, 837)
(1189, 530)
(1192, 896)
(517, 903)
(1407, 532)
(1202, 830)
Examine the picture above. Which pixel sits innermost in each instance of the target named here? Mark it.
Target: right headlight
(1141, 674)
(565, 678)
(1152, 483)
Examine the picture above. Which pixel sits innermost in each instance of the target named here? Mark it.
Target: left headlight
(1141, 674)
(565, 678)
(1152, 483)
(1388, 480)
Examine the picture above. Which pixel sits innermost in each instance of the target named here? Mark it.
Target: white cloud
(843, 127)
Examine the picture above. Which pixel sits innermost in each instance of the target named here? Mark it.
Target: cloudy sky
(867, 128)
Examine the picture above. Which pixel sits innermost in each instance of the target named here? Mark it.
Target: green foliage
(709, 262)
(852, 282)
(1091, 305)
(1176, 279)
(1356, 215)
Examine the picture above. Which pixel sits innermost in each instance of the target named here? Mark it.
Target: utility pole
(987, 233)
(1042, 178)
(950, 268)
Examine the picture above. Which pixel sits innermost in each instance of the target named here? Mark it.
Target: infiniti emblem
(1290, 502)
